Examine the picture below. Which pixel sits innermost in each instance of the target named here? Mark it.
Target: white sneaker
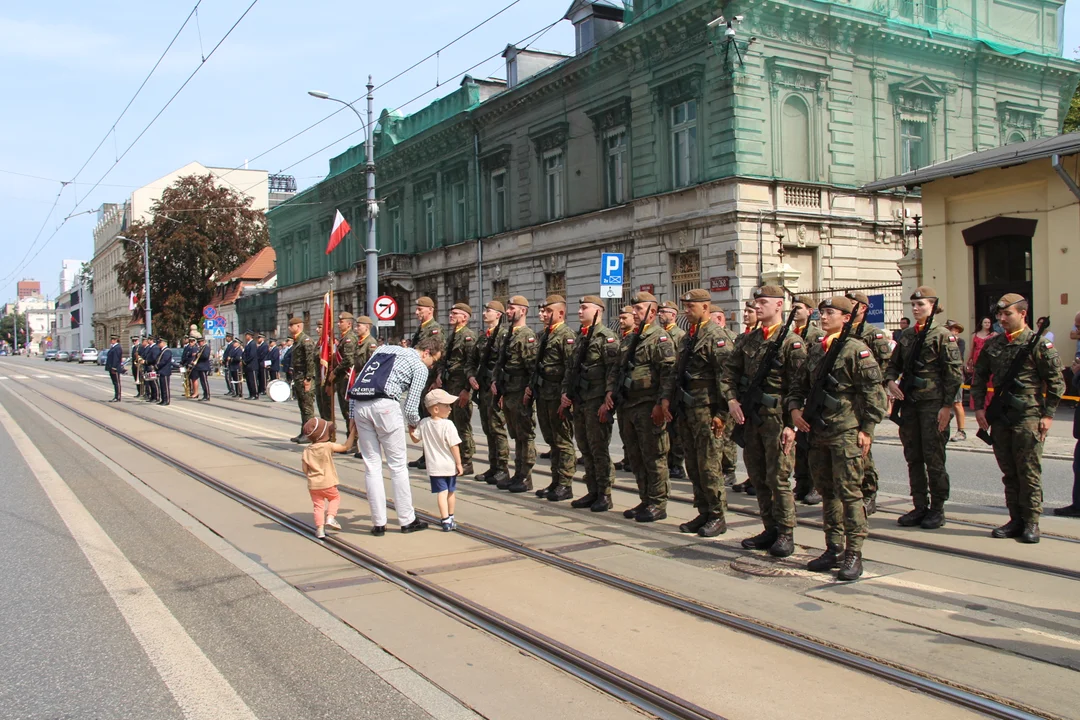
(332, 523)
(319, 533)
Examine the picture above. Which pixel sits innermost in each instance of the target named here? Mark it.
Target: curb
(950, 447)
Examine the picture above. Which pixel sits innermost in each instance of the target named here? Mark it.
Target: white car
(88, 355)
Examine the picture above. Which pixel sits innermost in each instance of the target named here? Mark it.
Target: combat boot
(676, 472)
(812, 498)
(1011, 529)
(784, 545)
(762, 541)
(467, 468)
(542, 492)
(523, 484)
(935, 518)
(912, 517)
(602, 504)
(631, 512)
(559, 493)
(729, 479)
(485, 476)
(869, 505)
(650, 513)
(504, 482)
(694, 525)
(717, 525)
(802, 488)
(500, 479)
(584, 501)
(751, 490)
(825, 561)
(1030, 535)
(851, 569)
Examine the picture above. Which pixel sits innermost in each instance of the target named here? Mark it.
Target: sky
(68, 68)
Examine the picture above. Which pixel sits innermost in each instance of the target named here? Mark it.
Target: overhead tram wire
(22, 263)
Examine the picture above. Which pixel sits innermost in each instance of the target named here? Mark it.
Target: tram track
(610, 679)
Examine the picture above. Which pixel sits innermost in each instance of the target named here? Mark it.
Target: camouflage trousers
(594, 441)
(462, 419)
(729, 451)
(325, 401)
(493, 420)
(802, 460)
(924, 451)
(703, 459)
(306, 400)
(646, 447)
(519, 420)
(870, 476)
(558, 433)
(676, 455)
(1019, 455)
(836, 465)
(341, 387)
(770, 472)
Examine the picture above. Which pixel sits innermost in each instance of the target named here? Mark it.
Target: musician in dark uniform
(233, 359)
(262, 353)
(251, 364)
(163, 363)
(136, 346)
(114, 364)
(201, 369)
(186, 355)
(275, 360)
(150, 358)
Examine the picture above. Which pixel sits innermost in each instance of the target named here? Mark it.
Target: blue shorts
(443, 482)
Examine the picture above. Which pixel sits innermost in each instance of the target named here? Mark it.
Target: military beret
(769, 291)
(496, 306)
(345, 316)
(669, 305)
(751, 306)
(859, 297)
(553, 300)
(425, 301)
(924, 293)
(463, 307)
(954, 326)
(1008, 300)
(626, 309)
(715, 309)
(520, 300)
(592, 299)
(697, 295)
(295, 321)
(837, 302)
(802, 299)
(643, 297)
(364, 320)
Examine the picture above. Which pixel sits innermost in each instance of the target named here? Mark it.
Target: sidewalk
(1058, 446)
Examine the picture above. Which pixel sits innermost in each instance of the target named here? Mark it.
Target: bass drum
(278, 390)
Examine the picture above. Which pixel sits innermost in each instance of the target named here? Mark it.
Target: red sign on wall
(720, 284)
(647, 288)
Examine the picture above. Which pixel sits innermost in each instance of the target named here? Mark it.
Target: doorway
(1002, 265)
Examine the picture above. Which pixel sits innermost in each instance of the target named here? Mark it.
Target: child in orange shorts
(322, 477)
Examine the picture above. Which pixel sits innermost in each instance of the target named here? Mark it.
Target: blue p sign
(611, 269)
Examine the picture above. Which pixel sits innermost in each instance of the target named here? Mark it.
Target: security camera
(717, 22)
(730, 32)
(738, 19)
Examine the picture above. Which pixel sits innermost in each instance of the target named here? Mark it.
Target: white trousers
(380, 429)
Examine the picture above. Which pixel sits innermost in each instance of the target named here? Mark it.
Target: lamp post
(146, 276)
(372, 253)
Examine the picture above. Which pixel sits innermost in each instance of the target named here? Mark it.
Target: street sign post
(611, 275)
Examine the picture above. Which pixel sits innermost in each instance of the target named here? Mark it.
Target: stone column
(911, 269)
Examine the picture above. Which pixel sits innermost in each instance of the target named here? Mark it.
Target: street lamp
(372, 205)
(146, 276)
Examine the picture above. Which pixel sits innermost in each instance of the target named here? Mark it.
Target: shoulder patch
(532, 340)
(435, 331)
(864, 353)
(373, 346)
(796, 345)
(879, 336)
(1049, 345)
(721, 343)
(663, 338)
(952, 338)
(569, 341)
(468, 338)
(611, 339)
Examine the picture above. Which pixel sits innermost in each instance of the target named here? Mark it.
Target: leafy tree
(1072, 118)
(198, 232)
(7, 332)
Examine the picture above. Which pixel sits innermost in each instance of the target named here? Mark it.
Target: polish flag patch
(663, 338)
(721, 343)
(952, 338)
(532, 339)
(435, 331)
(569, 341)
(468, 338)
(796, 345)
(1049, 345)
(864, 353)
(879, 336)
(611, 339)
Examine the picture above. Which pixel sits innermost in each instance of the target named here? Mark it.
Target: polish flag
(133, 301)
(341, 229)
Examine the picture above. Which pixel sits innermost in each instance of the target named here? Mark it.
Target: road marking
(195, 683)
(45, 377)
(206, 417)
(19, 377)
(3, 377)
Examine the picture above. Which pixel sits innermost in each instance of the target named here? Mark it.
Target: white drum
(278, 390)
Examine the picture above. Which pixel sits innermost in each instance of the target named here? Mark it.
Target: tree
(7, 332)
(1072, 118)
(198, 232)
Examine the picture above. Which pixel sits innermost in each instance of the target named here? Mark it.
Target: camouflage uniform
(303, 368)
(646, 444)
(924, 444)
(459, 364)
(729, 451)
(346, 351)
(520, 358)
(676, 455)
(594, 365)
(364, 347)
(836, 461)
(1017, 446)
(696, 396)
(323, 392)
(426, 330)
(768, 467)
(811, 333)
(492, 417)
(557, 430)
(878, 343)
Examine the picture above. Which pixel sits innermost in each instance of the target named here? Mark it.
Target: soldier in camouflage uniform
(627, 329)
(769, 468)
(590, 376)
(1019, 434)
(667, 316)
(693, 392)
(345, 360)
(365, 344)
(926, 415)
(878, 342)
(303, 369)
(429, 327)
(645, 439)
(729, 451)
(750, 323)
(841, 440)
(810, 333)
(458, 366)
(323, 391)
(512, 373)
(555, 346)
(492, 416)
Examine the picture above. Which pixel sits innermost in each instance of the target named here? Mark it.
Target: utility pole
(372, 207)
(146, 279)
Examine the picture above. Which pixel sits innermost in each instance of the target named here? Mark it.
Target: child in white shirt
(441, 452)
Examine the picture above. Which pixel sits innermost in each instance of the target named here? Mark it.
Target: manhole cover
(768, 566)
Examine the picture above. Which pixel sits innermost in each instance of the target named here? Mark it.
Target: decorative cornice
(495, 158)
(683, 84)
(550, 137)
(611, 115)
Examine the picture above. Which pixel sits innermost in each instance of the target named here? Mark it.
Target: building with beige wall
(998, 221)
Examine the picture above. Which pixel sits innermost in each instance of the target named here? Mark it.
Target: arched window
(1014, 137)
(795, 139)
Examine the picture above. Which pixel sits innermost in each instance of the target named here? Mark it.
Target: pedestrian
(555, 346)
(114, 365)
(303, 372)
(905, 323)
(958, 402)
(925, 414)
(390, 375)
(1073, 508)
(1028, 405)
(317, 463)
(442, 448)
(978, 340)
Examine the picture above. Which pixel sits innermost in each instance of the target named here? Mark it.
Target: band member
(251, 365)
(275, 360)
(201, 366)
(262, 353)
(114, 364)
(164, 371)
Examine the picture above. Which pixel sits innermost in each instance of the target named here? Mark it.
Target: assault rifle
(622, 379)
(909, 381)
(1004, 398)
(484, 371)
(753, 396)
(820, 398)
(444, 362)
(500, 364)
(537, 381)
(680, 397)
(574, 379)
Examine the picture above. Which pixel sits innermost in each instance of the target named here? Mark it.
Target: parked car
(102, 358)
(63, 356)
(50, 355)
(88, 355)
(176, 352)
